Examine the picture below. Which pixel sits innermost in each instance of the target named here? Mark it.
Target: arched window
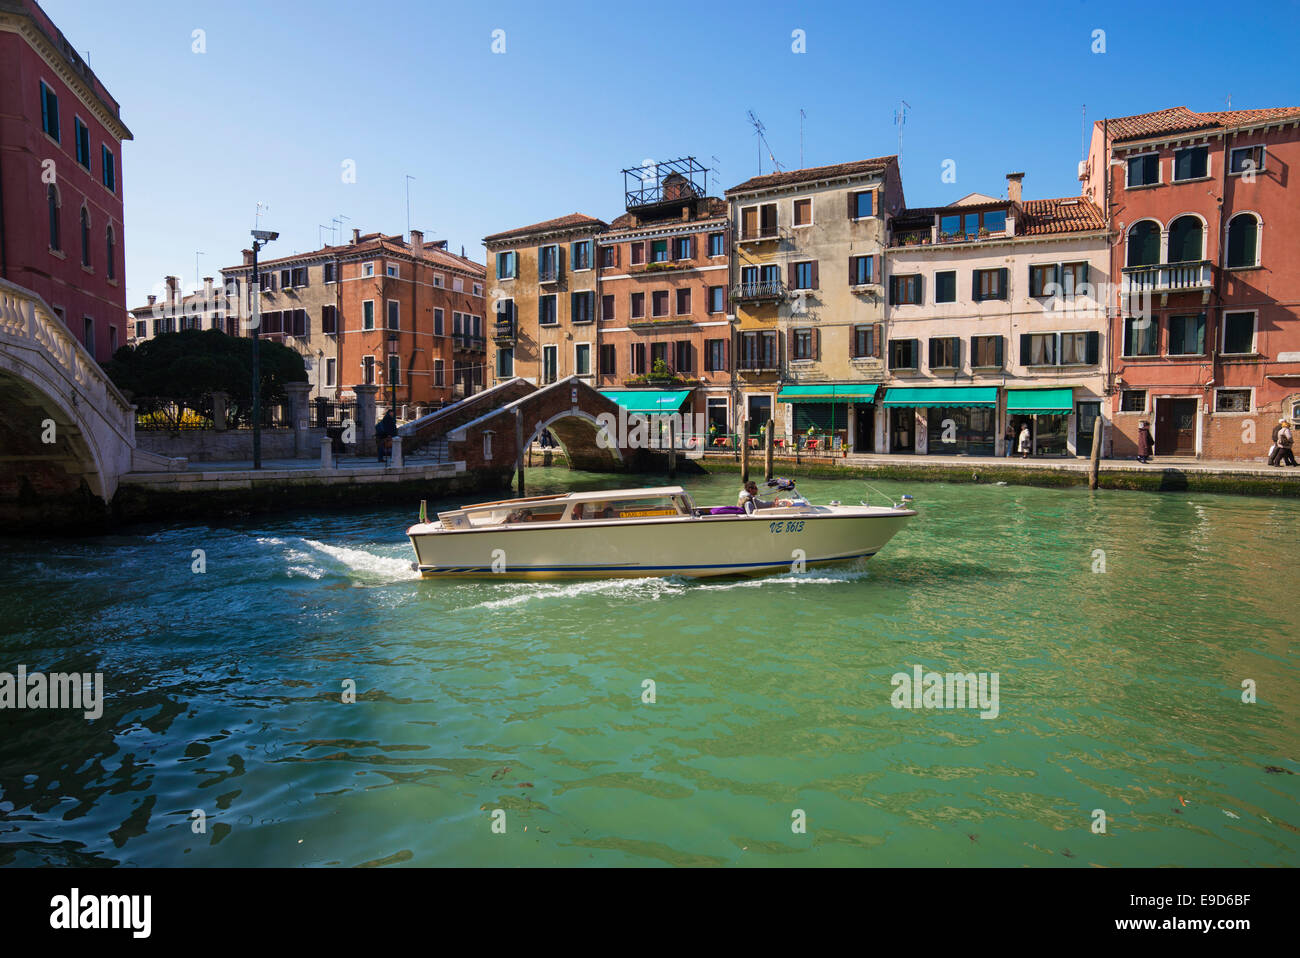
(85, 237)
(1243, 240)
(52, 198)
(1144, 244)
(1186, 240)
(111, 250)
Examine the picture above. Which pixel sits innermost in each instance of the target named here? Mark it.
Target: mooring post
(519, 450)
(744, 450)
(672, 447)
(769, 443)
(1096, 453)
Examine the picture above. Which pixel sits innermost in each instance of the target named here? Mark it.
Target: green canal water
(1118, 690)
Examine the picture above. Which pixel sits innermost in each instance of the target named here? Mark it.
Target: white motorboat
(646, 532)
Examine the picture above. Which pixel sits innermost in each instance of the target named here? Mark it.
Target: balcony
(760, 364)
(471, 344)
(770, 291)
(504, 331)
(548, 273)
(763, 234)
(1188, 277)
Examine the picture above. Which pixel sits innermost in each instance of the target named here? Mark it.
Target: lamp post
(260, 239)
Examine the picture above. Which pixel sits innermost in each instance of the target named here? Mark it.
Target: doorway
(1176, 427)
(759, 407)
(902, 430)
(865, 436)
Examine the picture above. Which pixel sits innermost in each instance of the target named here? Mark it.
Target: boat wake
(315, 560)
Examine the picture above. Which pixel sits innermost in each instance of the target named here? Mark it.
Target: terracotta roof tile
(1071, 214)
(573, 220)
(770, 180)
(716, 207)
(1179, 119)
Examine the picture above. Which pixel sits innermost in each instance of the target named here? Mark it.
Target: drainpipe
(4, 246)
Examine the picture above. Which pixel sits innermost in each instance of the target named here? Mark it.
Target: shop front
(958, 420)
(833, 413)
(1047, 413)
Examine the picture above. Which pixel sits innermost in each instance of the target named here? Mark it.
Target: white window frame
(1146, 403)
(439, 280)
(1259, 240)
(812, 214)
(478, 289)
(439, 319)
(1263, 158)
(875, 207)
(457, 284)
(1254, 332)
(388, 303)
(740, 223)
(393, 270)
(439, 374)
(513, 257)
(1160, 171)
(555, 316)
(373, 364)
(372, 326)
(590, 365)
(324, 273)
(677, 292)
(554, 350)
(1248, 411)
(1209, 163)
(796, 264)
(591, 257)
(331, 372)
(88, 166)
(367, 270)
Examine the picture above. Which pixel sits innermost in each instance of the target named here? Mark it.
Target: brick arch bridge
(569, 408)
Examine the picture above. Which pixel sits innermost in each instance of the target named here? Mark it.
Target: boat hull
(695, 547)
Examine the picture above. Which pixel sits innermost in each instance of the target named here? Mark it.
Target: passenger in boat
(578, 512)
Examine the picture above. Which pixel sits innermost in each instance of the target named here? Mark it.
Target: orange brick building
(1205, 327)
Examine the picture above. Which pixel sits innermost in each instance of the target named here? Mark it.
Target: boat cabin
(652, 503)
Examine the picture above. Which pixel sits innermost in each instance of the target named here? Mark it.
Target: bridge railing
(27, 321)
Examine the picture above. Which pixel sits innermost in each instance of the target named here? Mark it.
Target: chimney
(1013, 186)
(417, 240)
(356, 236)
(173, 293)
(248, 257)
(207, 288)
(152, 300)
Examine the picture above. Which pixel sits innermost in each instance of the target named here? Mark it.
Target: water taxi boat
(646, 532)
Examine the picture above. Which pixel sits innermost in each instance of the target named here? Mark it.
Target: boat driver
(749, 500)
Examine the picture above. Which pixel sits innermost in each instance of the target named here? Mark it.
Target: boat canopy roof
(606, 495)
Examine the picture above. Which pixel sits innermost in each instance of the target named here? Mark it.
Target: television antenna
(900, 120)
(761, 132)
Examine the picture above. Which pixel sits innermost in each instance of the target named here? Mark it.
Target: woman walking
(1023, 445)
(1146, 444)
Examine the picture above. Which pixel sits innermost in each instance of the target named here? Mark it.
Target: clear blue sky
(286, 92)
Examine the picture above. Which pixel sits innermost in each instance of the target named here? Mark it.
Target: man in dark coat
(385, 430)
(1146, 444)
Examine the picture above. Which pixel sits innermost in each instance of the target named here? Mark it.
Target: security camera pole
(260, 239)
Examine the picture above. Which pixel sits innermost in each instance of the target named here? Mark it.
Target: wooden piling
(1095, 465)
(769, 447)
(744, 450)
(519, 450)
(672, 447)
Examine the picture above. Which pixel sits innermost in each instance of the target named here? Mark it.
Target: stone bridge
(66, 434)
(569, 408)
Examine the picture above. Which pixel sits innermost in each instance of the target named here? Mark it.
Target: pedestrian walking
(1285, 441)
(1024, 443)
(1146, 444)
(1275, 450)
(1008, 440)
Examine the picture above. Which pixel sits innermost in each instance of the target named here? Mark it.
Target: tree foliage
(174, 372)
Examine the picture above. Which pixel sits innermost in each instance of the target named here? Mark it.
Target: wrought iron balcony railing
(755, 292)
(504, 331)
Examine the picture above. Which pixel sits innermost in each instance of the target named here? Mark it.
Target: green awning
(829, 392)
(1049, 401)
(648, 400)
(942, 396)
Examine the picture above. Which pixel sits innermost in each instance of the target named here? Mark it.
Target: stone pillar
(220, 403)
(299, 417)
(326, 453)
(364, 410)
(395, 460)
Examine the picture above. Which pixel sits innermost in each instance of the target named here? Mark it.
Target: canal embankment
(1189, 475)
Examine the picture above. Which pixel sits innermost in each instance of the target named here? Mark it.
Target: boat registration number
(793, 525)
(643, 513)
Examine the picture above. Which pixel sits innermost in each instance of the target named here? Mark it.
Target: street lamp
(260, 239)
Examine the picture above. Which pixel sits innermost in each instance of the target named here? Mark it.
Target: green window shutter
(893, 291)
(997, 351)
(1024, 349)
(1083, 275)
(975, 285)
(1093, 347)
(1003, 286)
